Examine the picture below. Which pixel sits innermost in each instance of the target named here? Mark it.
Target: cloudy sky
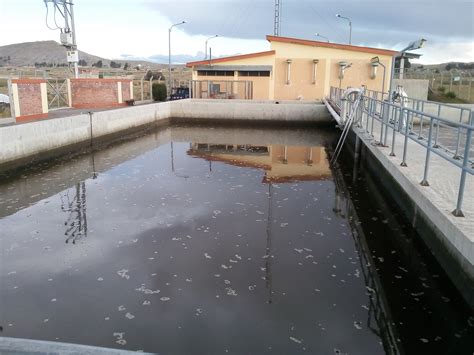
(116, 28)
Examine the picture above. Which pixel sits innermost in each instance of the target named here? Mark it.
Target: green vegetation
(446, 97)
(159, 92)
(98, 64)
(115, 65)
(5, 112)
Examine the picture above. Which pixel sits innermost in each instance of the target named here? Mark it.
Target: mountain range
(51, 52)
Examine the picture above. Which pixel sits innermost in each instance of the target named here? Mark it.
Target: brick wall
(29, 100)
(98, 93)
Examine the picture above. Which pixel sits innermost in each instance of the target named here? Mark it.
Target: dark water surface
(218, 240)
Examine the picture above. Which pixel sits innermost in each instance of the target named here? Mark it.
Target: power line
(336, 31)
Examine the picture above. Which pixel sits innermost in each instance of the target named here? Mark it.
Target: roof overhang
(410, 55)
(234, 67)
(347, 47)
(230, 59)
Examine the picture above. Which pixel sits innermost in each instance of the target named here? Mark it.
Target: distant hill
(51, 52)
(445, 66)
(29, 53)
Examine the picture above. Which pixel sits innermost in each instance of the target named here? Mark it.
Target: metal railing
(449, 139)
(459, 82)
(448, 111)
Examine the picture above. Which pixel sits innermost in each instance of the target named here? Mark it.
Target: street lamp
(319, 35)
(412, 46)
(169, 54)
(350, 26)
(207, 40)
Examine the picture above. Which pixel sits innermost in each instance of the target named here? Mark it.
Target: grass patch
(448, 97)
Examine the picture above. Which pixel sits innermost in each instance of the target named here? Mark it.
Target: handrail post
(392, 153)
(458, 141)
(425, 182)
(437, 128)
(462, 184)
(405, 144)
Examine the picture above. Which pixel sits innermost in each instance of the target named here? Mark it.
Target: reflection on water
(282, 164)
(76, 209)
(206, 240)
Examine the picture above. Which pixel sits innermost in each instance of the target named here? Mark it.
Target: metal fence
(461, 83)
(5, 108)
(448, 139)
(222, 89)
(58, 95)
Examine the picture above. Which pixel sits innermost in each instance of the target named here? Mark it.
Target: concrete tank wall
(269, 111)
(22, 144)
(415, 88)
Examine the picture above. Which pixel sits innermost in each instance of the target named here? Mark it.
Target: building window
(215, 72)
(215, 89)
(254, 73)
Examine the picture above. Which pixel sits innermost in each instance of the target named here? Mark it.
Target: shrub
(159, 92)
(441, 89)
(450, 95)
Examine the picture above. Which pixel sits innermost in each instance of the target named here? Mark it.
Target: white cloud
(109, 28)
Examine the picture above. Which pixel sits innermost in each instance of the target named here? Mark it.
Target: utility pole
(277, 19)
(68, 32)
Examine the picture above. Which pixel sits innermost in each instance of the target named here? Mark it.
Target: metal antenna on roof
(277, 22)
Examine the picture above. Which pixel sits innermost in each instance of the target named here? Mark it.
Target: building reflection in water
(286, 164)
(281, 163)
(75, 207)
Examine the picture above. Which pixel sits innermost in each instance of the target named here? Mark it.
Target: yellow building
(294, 69)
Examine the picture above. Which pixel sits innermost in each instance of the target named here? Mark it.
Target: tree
(115, 64)
(126, 66)
(159, 92)
(449, 66)
(82, 63)
(98, 64)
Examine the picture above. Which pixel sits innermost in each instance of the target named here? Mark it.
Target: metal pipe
(73, 27)
(405, 145)
(392, 153)
(458, 211)
(437, 129)
(424, 182)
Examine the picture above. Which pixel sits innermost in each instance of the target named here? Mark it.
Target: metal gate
(57, 93)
